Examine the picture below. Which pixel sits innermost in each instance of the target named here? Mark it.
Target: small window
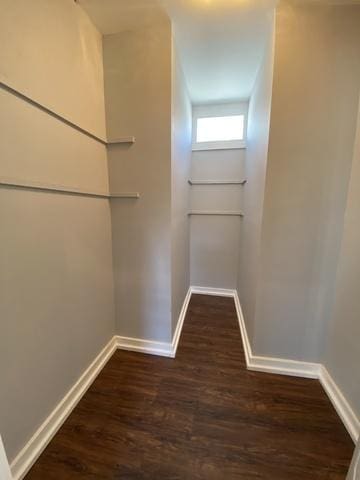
(220, 129)
(219, 126)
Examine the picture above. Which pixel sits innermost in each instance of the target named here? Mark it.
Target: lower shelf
(227, 214)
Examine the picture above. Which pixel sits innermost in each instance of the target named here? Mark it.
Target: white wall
(56, 284)
(137, 68)
(181, 119)
(215, 240)
(255, 173)
(37, 147)
(312, 128)
(66, 76)
(342, 341)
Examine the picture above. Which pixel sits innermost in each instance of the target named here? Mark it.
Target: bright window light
(220, 129)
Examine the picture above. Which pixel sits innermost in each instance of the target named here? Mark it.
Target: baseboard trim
(153, 347)
(41, 438)
(180, 323)
(150, 347)
(300, 369)
(217, 292)
(282, 366)
(5, 473)
(341, 405)
(279, 366)
(243, 331)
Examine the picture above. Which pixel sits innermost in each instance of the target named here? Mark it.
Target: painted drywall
(342, 347)
(56, 304)
(312, 127)
(37, 147)
(255, 174)
(181, 137)
(215, 240)
(67, 75)
(137, 70)
(56, 283)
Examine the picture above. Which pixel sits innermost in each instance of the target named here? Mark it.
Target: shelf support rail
(9, 183)
(62, 119)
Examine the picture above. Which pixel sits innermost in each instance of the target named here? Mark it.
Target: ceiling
(113, 16)
(220, 42)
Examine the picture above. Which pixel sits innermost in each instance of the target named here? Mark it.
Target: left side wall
(56, 283)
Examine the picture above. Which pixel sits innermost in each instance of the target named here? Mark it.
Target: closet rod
(53, 114)
(216, 213)
(217, 182)
(62, 189)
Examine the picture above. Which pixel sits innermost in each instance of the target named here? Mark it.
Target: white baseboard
(300, 369)
(5, 473)
(279, 366)
(243, 331)
(150, 347)
(153, 347)
(217, 292)
(341, 405)
(180, 323)
(283, 366)
(38, 442)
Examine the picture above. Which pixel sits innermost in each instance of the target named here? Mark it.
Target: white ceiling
(220, 42)
(113, 16)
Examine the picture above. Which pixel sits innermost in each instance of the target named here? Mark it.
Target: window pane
(219, 129)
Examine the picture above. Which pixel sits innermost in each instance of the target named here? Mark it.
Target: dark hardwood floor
(199, 416)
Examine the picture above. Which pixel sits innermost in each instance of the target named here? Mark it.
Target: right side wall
(342, 350)
(298, 274)
(312, 130)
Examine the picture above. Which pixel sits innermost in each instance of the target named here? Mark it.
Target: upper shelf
(217, 182)
(125, 195)
(64, 120)
(121, 140)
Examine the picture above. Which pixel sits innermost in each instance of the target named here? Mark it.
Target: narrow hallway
(201, 415)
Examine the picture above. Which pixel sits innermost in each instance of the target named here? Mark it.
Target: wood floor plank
(201, 416)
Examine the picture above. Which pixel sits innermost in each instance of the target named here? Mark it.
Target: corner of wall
(256, 167)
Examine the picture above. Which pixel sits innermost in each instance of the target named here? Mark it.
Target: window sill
(219, 145)
(201, 148)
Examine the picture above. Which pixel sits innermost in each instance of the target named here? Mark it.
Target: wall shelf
(61, 189)
(217, 182)
(216, 213)
(121, 140)
(125, 195)
(52, 188)
(43, 108)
